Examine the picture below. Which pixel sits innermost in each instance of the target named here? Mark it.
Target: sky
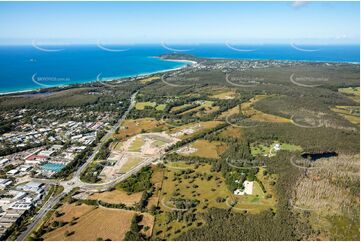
(179, 22)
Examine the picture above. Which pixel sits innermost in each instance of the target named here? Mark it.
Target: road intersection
(76, 182)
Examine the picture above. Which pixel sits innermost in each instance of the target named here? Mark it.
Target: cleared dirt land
(232, 132)
(189, 130)
(225, 95)
(149, 79)
(132, 127)
(96, 223)
(206, 149)
(117, 196)
(229, 112)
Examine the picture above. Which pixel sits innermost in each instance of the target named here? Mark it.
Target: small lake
(316, 156)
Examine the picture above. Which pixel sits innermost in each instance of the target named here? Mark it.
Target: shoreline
(142, 75)
(175, 60)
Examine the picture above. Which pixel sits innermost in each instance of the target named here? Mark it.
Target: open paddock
(98, 223)
(131, 127)
(117, 196)
(206, 149)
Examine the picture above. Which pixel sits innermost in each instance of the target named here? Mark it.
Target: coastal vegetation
(297, 146)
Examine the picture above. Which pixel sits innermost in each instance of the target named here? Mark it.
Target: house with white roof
(277, 147)
(247, 190)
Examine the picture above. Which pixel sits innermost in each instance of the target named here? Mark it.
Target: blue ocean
(33, 67)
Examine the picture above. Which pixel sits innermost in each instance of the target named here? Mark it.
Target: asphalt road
(41, 213)
(76, 182)
(108, 135)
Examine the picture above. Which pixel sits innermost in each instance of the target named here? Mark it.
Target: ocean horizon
(32, 67)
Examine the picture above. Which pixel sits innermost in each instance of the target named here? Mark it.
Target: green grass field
(160, 107)
(350, 90)
(351, 113)
(159, 143)
(264, 150)
(136, 145)
(174, 109)
(142, 105)
(131, 162)
(225, 95)
(353, 92)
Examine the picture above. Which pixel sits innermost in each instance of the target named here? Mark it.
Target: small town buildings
(36, 187)
(35, 159)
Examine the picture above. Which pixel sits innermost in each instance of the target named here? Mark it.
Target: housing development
(217, 146)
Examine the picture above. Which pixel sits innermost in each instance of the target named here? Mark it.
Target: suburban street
(76, 182)
(40, 214)
(107, 135)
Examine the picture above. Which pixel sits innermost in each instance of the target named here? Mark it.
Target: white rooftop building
(12, 172)
(33, 187)
(4, 183)
(4, 161)
(277, 147)
(248, 189)
(21, 205)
